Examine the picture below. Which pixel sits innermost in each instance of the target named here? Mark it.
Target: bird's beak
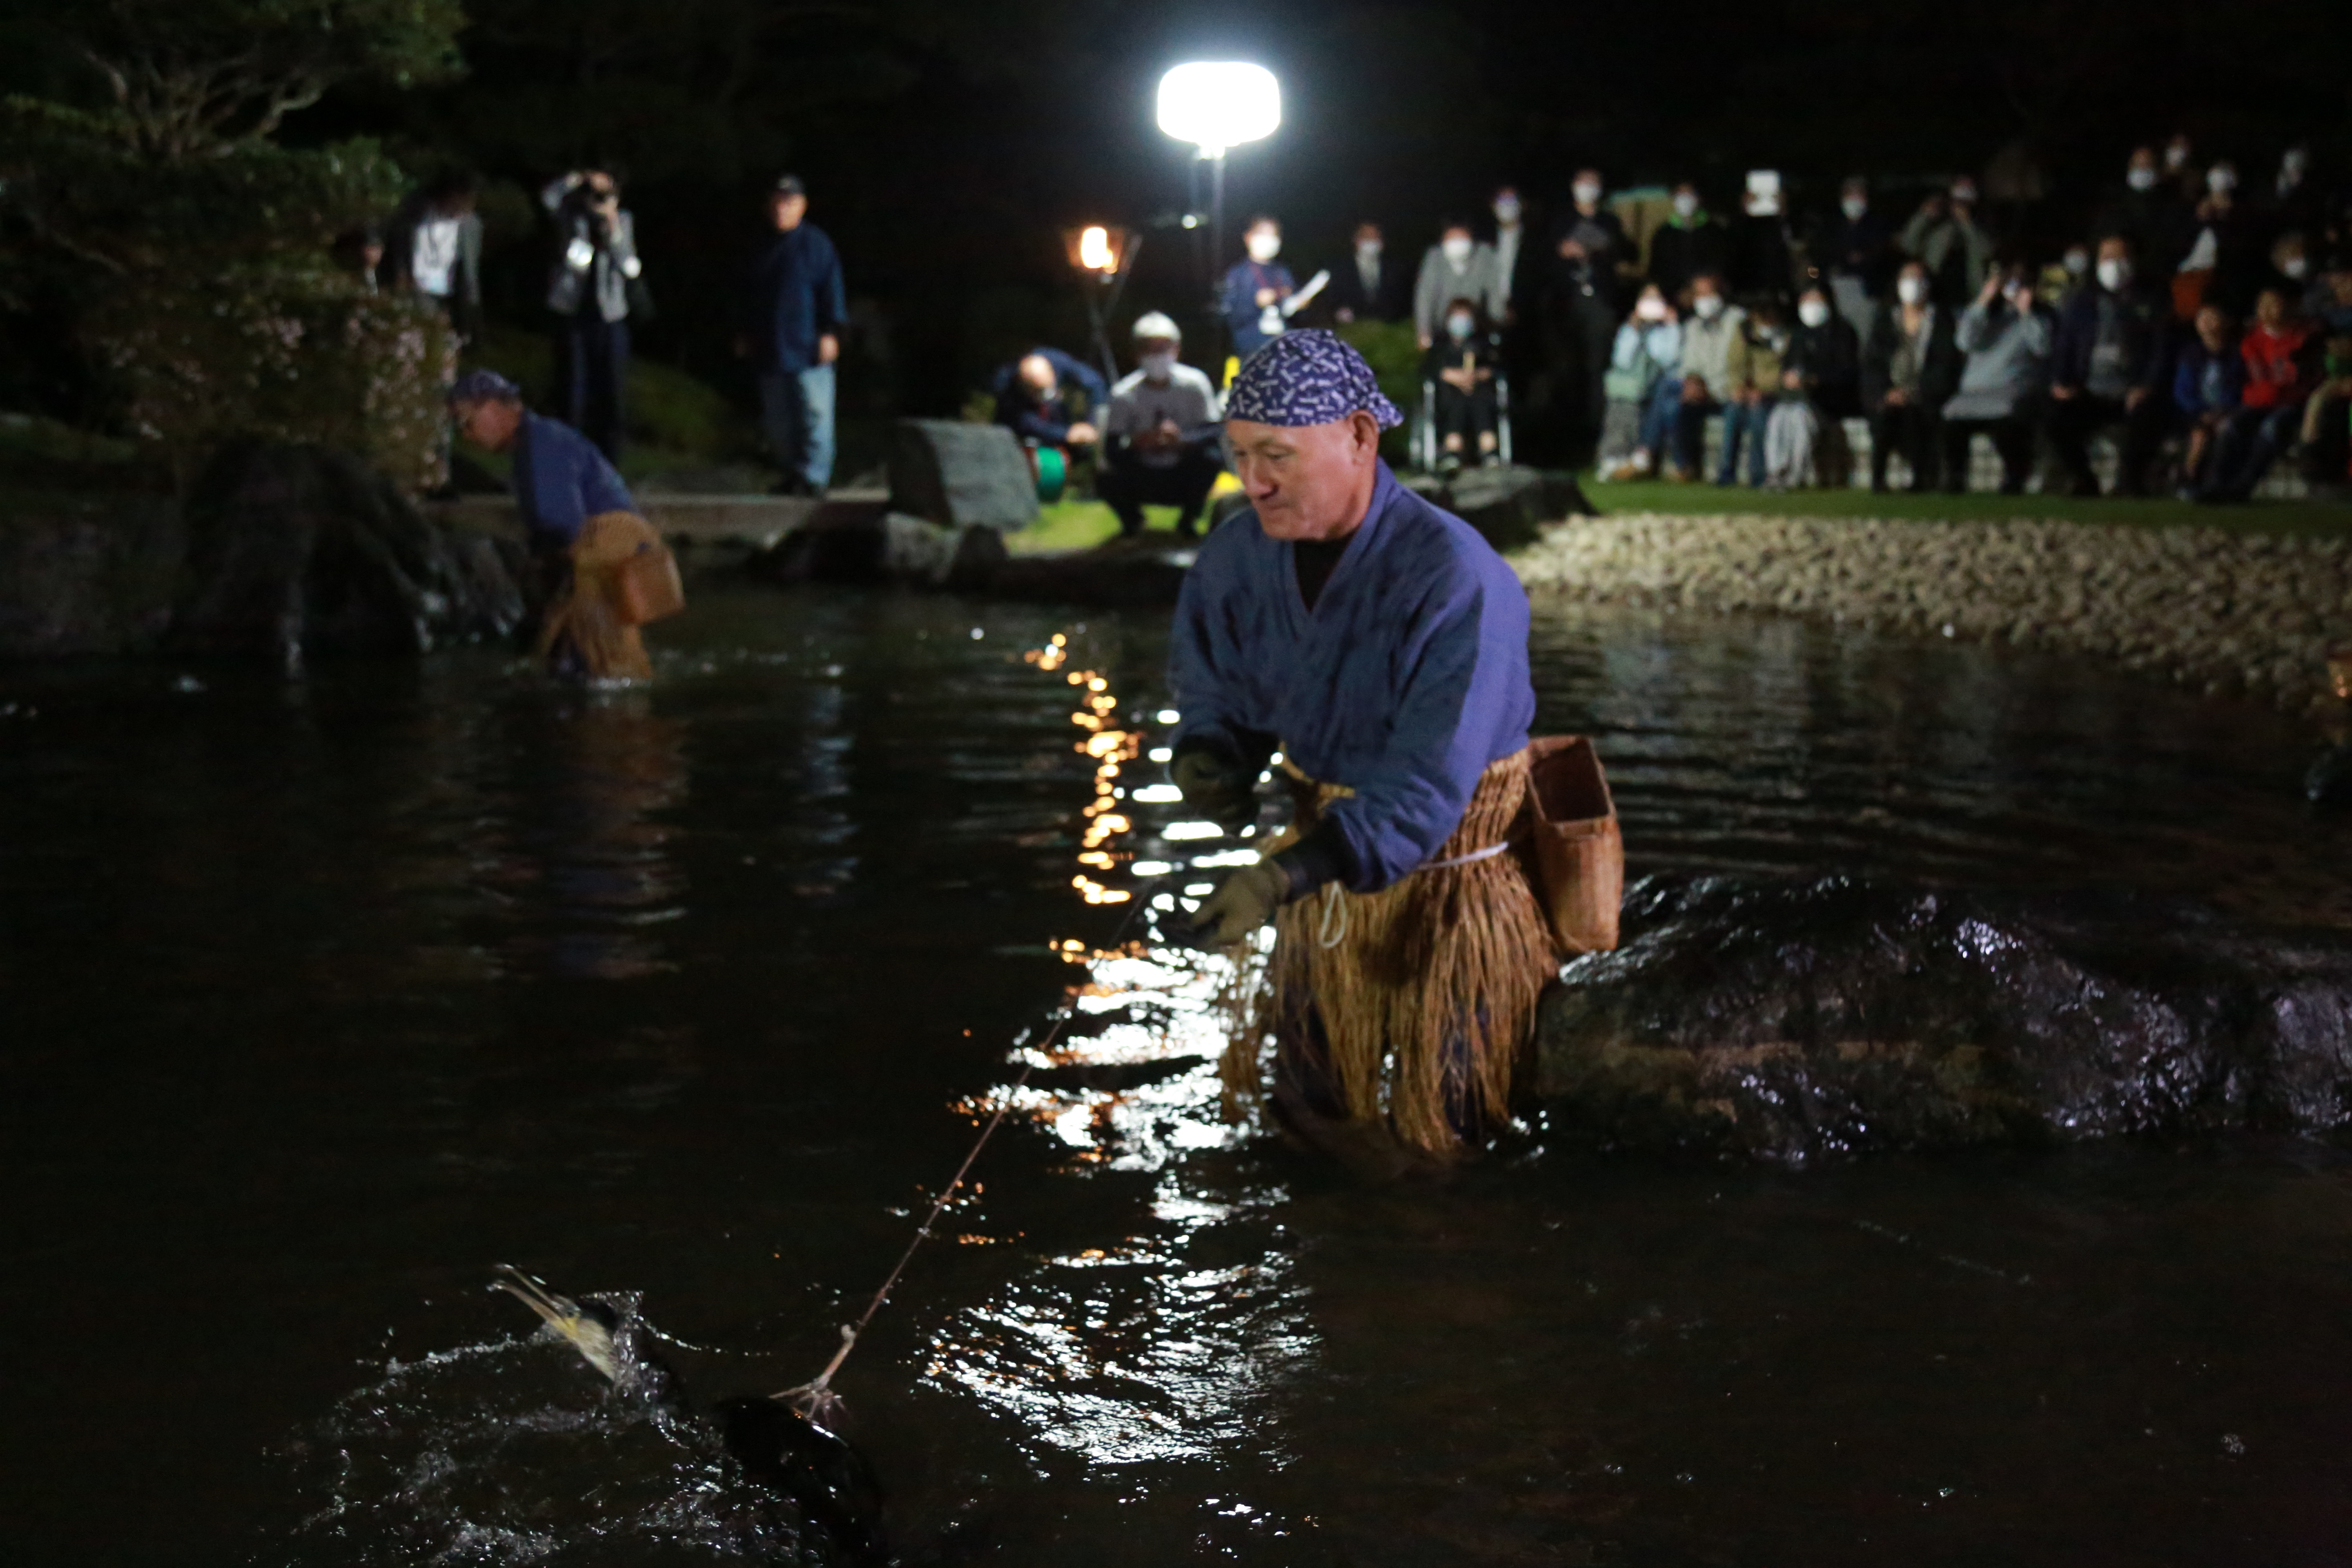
(563, 1314)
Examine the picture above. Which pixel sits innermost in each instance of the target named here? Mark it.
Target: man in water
(1383, 646)
(582, 523)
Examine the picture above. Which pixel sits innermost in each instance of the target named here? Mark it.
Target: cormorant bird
(781, 1456)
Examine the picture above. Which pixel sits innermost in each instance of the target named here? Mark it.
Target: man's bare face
(488, 423)
(1308, 481)
(787, 211)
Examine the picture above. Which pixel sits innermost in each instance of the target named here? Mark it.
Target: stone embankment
(2222, 612)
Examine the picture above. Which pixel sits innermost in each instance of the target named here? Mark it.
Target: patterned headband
(1311, 377)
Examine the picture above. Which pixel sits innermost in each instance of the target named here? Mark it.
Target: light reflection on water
(321, 1001)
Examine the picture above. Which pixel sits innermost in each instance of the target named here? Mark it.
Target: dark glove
(1242, 903)
(1215, 786)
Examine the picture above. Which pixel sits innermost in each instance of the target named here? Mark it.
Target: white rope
(1335, 907)
(1488, 852)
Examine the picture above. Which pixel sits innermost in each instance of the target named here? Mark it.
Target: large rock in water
(1789, 1020)
(961, 475)
(87, 573)
(297, 551)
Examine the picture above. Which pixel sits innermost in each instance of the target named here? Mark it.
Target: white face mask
(1458, 326)
(2077, 262)
(1854, 207)
(1813, 312)
(1507, 210)
(2114, 273)
(1586, 191)
(2176, 157)
(1158, 365)
(1964, 195)
(1709, 306)
(2291, 163)
(2220, 179)
(1456, 247)
(1369, 249)
(2294, 267)
(1910, 290)
(1263, 246)
(1686, 204)
(1649, 308)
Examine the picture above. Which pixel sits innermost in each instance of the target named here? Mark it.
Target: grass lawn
(1077, 524)
(1081, 524)
(2262, 517)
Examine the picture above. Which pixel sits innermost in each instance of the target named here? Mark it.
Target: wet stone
(1787, 1020)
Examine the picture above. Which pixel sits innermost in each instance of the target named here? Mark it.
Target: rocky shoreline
(2226, 613)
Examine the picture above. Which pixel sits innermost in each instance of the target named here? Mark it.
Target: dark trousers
(1127, 487)
(2245, 448)
(1690, 435)
(2073, 422)
(592, 363)
(1912, 429)
(2012, 438)
(1592, 332)
(1468, 415)
(2328, 459)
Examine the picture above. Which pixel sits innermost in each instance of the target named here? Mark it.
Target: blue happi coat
(1406, 680)
(561, 480)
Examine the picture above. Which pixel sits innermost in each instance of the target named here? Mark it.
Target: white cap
(1157, 325)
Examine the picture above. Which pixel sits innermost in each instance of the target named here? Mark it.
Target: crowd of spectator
(2203, 329)
(2206, 330)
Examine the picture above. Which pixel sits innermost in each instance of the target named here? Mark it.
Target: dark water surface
(315, 1001)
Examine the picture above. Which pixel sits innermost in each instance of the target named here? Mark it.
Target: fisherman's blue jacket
(1407, 679)
(561, 480)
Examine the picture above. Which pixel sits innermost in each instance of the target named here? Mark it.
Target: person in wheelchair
(1460, 369)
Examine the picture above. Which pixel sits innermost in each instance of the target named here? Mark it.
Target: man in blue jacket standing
(795, 309)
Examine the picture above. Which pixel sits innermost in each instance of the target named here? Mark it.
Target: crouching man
(1159, 438)
(607, 570)
(1382, 646)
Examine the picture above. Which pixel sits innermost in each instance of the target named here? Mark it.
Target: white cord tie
(1335, 914)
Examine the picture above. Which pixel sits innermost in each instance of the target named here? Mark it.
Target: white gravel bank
(2223, 611)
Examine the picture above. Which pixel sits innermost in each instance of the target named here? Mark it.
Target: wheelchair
(1423, 445)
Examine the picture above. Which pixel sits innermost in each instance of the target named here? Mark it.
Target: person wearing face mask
(2006, 338)
(1707, 383)
(1159, 435)
(2107, 367)
(1688, 243)
(1752, 363)
(1582, 309)
(1643, 387)
(2148, 211)
(1944, 236)
(1257, 289)
(2293, 203)
(1909, 367)
(2224, 260)
(1457, 266)
(2288, 270)
(1820, 381)
(1857, 249)
(1460, 368)
(2282, 368)
(1368, 287)
(1512, 259)
(1763, 252)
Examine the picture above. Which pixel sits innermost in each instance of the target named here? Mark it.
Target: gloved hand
(1242, 902)
(1216, 787)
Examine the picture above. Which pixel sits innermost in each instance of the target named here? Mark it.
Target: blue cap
(485, 386)
(1311, 377)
